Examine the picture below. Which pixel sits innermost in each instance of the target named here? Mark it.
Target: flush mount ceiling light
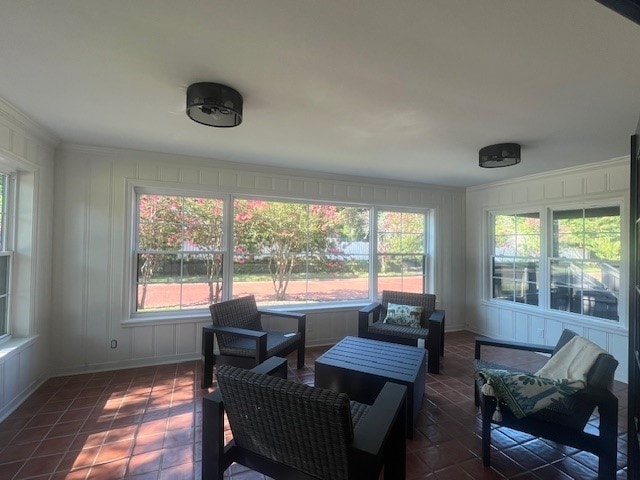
(500, 155)
(214, 104)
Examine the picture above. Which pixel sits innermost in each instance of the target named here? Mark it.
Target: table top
(389, 360)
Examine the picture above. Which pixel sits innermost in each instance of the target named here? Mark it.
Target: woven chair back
(425, 300)
(240, 313)
(294, 424)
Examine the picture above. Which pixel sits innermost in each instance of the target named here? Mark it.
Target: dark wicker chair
(288, 430)
(564, 421)
(371, 325)
(241, 339)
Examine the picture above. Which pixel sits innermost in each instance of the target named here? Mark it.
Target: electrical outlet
(114, 344)
(541, 333)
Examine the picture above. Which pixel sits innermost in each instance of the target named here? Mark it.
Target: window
(283, 252)
(576, 271)
(516, 257)
(288, 252)
(585, 268)
(179, 252)
(401, 251)
(5, 255)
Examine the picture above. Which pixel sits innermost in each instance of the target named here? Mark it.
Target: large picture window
(585, 268)
(568, 260)
(282, 252)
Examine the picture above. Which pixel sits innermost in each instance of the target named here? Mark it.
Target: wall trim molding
(19, 119)
(605, 164)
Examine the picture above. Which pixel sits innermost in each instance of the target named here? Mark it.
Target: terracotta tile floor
(144, 423)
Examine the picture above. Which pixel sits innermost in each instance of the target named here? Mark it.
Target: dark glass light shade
(214, 105)
(500, 155)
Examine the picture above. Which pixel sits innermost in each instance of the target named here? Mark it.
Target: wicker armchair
(241, 339)
(431, 331)
(563, 421)
(288, 430)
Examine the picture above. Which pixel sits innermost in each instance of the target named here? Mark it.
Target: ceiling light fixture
(214, 105)
(500, 155)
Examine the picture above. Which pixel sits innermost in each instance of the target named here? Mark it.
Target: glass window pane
(155, 270)
(587, 281)
(170, 228)
(515, 266)
(4, 274)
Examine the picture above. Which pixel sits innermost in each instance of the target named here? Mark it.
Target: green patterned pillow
(405, 315)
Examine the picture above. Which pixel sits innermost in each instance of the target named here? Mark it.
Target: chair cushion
(406, 315)
(245, 347)
(398, 330)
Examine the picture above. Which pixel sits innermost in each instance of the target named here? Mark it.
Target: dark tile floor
(144, 423)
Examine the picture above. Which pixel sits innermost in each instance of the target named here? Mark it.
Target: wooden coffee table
(360, 367)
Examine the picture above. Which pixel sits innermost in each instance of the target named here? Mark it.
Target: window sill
(12, 345)
(202, 316)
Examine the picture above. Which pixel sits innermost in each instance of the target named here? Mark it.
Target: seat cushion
(245, 347)
(398, 330)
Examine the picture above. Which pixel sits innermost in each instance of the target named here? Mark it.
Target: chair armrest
(371, 308)
(239, 332)
(437, 315)
(492, 342)
(274, 366)
(363, 317)
(301, 317)
(257, 336)
(374, 429)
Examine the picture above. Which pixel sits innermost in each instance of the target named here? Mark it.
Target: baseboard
(10, 407)
(124, 364)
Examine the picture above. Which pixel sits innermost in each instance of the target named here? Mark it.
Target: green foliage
(175, 224)
(593, 238)
(400, 234)
(286, 234)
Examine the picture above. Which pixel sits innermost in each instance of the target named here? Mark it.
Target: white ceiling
(405, 90)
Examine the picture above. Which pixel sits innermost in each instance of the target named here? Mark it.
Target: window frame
(492, 255)
(551, 259)
(181, 253)
(546, 252)
(135, 188)
(8, 217)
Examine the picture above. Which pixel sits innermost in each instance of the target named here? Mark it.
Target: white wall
(601, 181)
(91, 248)
(28, 150)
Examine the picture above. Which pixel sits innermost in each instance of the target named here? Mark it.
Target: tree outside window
(283, 252)
(401, 251)
(179, 252)
(305, 251)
